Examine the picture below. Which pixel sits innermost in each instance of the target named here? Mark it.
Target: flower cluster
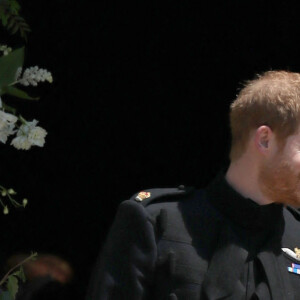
(6, 50)
(7, 125)
(25, 134)
(28, 134)
(32, 76)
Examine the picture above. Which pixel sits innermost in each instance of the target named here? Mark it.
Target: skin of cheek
(296, 169)
(292, 154)
(291, 158)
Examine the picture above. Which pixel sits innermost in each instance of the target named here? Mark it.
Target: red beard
(279, 183)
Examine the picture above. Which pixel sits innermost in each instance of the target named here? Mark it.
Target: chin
(288, 200)
(279, 183)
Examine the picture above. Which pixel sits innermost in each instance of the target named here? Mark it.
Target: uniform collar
(240, 210)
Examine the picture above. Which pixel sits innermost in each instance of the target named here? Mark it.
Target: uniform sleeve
(125, 268)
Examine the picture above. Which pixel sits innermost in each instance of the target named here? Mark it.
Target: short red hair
(272, 99)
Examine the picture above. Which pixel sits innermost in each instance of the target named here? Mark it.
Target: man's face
(279, 176)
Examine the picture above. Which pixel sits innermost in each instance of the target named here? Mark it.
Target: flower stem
(22, 120)
(18, 265)
(13, 83)
(13, 201)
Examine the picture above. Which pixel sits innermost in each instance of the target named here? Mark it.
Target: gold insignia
(142, 195)
(297, 251)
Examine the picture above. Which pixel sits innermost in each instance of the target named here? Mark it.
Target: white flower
(29, 135)
(7, 124)
(37, 136)
(21, 143)
(33, 75)
(5, 49)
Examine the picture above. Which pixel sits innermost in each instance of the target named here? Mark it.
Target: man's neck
(242, 177)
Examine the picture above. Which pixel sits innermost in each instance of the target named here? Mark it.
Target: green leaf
(9, 109)
(20, 273)
(9, 65)
(18, 18)
(4, 18)
(12, 286)
(11, 22)
(13, 91)
(15, 6)
(5, 296)
(15, 28)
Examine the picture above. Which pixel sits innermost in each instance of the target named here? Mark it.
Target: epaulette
(145, 197)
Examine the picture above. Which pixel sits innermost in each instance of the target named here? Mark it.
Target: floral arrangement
(22, 134)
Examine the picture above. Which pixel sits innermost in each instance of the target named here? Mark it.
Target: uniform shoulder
(149, 196)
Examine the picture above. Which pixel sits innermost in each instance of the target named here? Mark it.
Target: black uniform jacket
(198, 244)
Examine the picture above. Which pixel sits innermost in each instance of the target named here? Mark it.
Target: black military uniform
(198, 244)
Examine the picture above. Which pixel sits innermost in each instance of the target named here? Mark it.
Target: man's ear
(262, 139)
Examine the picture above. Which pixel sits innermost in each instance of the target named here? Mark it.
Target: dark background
(140, 99)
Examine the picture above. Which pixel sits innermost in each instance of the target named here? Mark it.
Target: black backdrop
(140, 99)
